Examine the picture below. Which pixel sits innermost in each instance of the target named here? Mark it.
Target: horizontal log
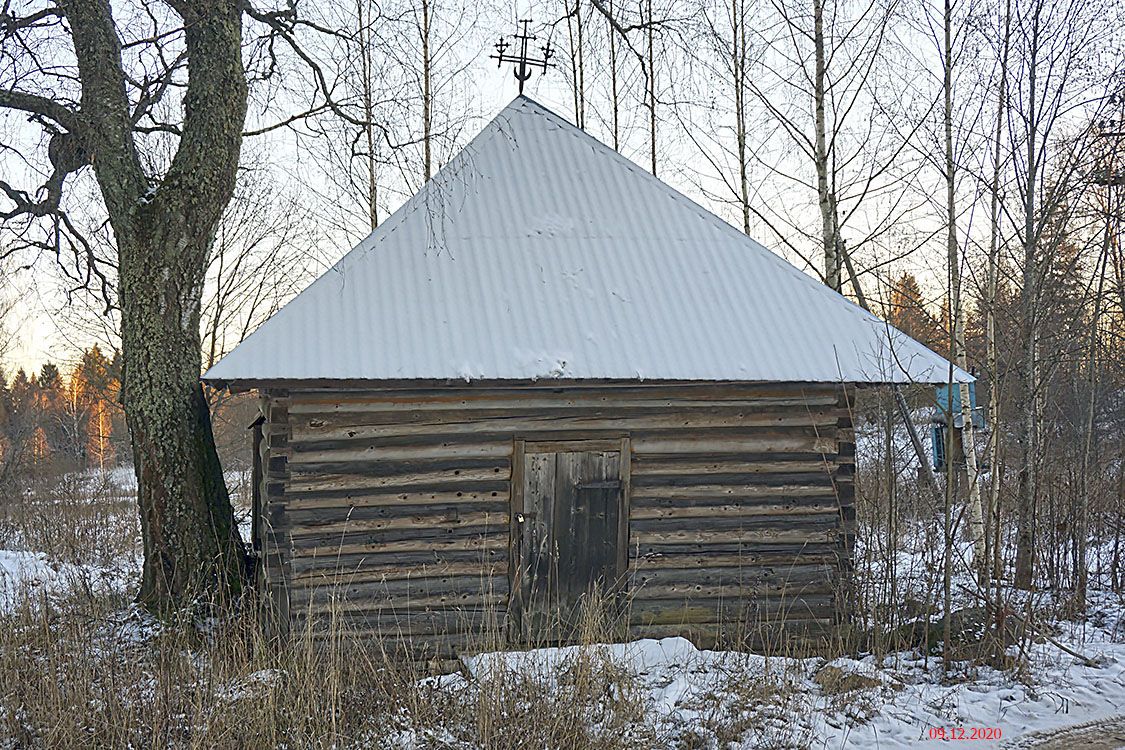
(654, 466)
(321, 602)
(336, 574)
(639, 530)
(313, 433)
(708, 547)
(806, 438)
(709, 444)
(403, 591)
(721, 504)
(417, 535)
(361, 517)
(328, 414)
(733, 475)
(500, 447)
(430, 523)
(384, 467)
(749, 512)
(314, 477)
(734, 491)
(734, 536)
(763, 556)
(364, 499)
(458, 396)
(483, 623)
(440, 545)
(344, 424)
(495, 488)
(684, 592)
(375, 563)
(729, 593)
(755, 610)
(748, 575)
(497, 449)
(335, 486)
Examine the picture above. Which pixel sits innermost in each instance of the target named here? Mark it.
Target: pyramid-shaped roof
(537, 253)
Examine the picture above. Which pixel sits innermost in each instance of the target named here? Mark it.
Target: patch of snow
(253, 684)
(545, 365)
(904, 696)
(470, 372)
(28, 576)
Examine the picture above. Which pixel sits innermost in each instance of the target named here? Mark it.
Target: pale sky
(42, 335)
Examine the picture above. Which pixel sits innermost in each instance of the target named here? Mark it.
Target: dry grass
(752, 702)
(81, 520)
(80, 667)
(76, 676)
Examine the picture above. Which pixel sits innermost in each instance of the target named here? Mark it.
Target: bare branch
(41, 106)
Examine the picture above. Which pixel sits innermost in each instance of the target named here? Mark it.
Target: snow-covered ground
(32, 578)
(692, 698)
(897, 702)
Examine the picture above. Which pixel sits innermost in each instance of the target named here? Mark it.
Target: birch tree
(721, 134)
(1055, 96)
(992, 277)
(952, 45)
(427, 117)
(841, 140)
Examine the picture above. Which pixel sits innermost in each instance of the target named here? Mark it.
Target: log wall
(388, 510)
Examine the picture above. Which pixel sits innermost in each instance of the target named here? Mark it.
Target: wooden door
(571, 534)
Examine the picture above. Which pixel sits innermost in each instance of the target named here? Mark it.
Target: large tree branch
(107, 133)
(42, 106)
(201, 177)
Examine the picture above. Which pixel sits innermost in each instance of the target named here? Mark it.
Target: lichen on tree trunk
(164, 226)
(192, 547)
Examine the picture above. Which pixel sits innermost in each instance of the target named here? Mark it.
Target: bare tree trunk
(993, 359)
(956, 312)
(1028, 479)
(827, 209)
(613, 83)
(164, 234)
(427, 97)
(651, 80)
(738, 59)
(577, 63)
(367, 84)
(947, 532)
(1082, 522)
(191, 541)
(581, 65)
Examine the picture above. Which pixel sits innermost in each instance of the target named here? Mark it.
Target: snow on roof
(538, 252)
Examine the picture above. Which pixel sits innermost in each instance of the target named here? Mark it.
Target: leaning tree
(150, 99)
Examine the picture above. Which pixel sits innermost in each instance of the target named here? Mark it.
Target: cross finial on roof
(524, 64)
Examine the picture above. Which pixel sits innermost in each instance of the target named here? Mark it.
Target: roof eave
(238, 385)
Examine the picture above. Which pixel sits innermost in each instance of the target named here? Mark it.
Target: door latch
(608, 484)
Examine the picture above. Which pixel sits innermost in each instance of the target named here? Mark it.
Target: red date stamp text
(963, 733)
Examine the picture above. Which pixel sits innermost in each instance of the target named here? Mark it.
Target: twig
(1026, 622)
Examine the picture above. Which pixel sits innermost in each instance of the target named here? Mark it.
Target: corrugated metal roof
(538, 252)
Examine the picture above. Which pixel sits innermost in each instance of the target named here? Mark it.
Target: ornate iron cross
(523, 63)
